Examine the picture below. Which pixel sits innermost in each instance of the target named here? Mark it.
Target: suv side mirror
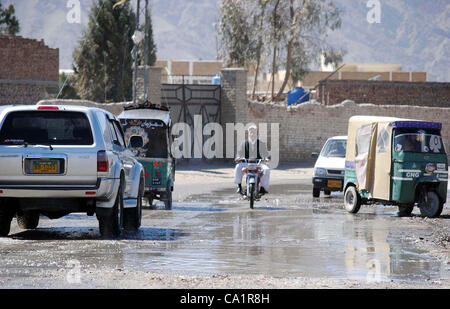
(315, 155)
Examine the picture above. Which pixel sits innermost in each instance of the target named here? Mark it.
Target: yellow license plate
(334, 183)
(45, 167)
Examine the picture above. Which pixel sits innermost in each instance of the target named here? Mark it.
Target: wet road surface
(288, 234)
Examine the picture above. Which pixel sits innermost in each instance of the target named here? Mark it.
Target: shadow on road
(89, 233)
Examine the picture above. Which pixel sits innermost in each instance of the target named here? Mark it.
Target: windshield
(146, 138)
(418, 141)
(157, 147)
(46, 128)
(334, 148)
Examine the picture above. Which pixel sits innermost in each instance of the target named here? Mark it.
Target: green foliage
(103, 62)
(69, 91)
(294, 33)
(236, 32)
(9, 24)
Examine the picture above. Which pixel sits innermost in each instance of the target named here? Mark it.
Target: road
(212, 239)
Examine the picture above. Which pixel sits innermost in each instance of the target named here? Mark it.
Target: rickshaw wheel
(316, 192)
(352, 200)
(431, 208)
(405, 211)
(168, 201)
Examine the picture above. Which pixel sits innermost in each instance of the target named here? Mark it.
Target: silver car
(56, 160)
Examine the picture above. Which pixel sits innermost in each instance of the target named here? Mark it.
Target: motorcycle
(254, 172)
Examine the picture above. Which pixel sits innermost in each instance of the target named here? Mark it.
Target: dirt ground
(212, 240)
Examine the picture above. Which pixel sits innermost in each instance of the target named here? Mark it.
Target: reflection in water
(318, 241)
(367, 251)
(375, 248)
(301, 237)
(246, 229)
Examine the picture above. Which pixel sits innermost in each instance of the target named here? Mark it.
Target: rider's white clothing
(255, 149)
(265, 177)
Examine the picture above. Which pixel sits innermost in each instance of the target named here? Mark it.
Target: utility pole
(137, 39)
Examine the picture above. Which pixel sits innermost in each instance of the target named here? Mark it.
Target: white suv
(56, 160)
(330, 166)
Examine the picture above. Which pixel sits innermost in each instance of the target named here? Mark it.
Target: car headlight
(320, 171)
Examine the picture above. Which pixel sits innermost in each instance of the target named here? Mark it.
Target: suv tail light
(102, 161)
(48, 108)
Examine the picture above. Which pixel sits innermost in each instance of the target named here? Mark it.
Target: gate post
(234, 106)
(234, 95)
(153, 85)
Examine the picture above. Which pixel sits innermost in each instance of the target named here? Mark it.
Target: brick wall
(303, 129)
(29, 70)
(27, 59)
(385, 93)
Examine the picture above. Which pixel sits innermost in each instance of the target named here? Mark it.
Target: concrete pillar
(153, 84)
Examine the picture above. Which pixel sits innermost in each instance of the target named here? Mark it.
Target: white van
(329, 169)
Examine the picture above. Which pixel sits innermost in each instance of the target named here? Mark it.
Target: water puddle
(288, 234)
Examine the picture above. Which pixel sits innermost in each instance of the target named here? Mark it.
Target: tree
(295, 31)
(236, 32)
(103, 60)
(307, 25)
(9, 24)
(68, 91)
(260, 12)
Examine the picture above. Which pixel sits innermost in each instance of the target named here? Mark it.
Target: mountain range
(413, 33)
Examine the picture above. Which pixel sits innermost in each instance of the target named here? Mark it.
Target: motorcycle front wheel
(252, 195)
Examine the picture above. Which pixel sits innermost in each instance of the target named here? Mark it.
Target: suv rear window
(47, 128)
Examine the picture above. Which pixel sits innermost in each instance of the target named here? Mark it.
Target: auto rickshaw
(397, 162)
(147, 133)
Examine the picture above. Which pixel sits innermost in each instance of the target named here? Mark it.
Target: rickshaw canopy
(147, 114)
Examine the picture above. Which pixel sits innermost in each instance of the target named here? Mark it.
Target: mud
(215, 239)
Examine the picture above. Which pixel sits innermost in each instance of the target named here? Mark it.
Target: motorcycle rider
(252, 148)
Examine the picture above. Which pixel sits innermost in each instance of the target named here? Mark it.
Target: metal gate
(187, 100)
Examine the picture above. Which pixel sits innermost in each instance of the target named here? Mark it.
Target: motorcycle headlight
(320, 171)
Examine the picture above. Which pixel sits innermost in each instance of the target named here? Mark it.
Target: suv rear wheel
(132, 217)
(110, 224)
(28, 220)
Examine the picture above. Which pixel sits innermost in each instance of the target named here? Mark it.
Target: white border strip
(401, 178)
(410, 171)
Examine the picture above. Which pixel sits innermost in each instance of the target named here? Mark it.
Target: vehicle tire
(6, 216)
(327, 192)
(316, 192)
(352, 200)
(109, 225)
(150, 202)
(252, 195)
(431, 208)
(405, 211)
(132, 217)
(28, 220)
(168, 200)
